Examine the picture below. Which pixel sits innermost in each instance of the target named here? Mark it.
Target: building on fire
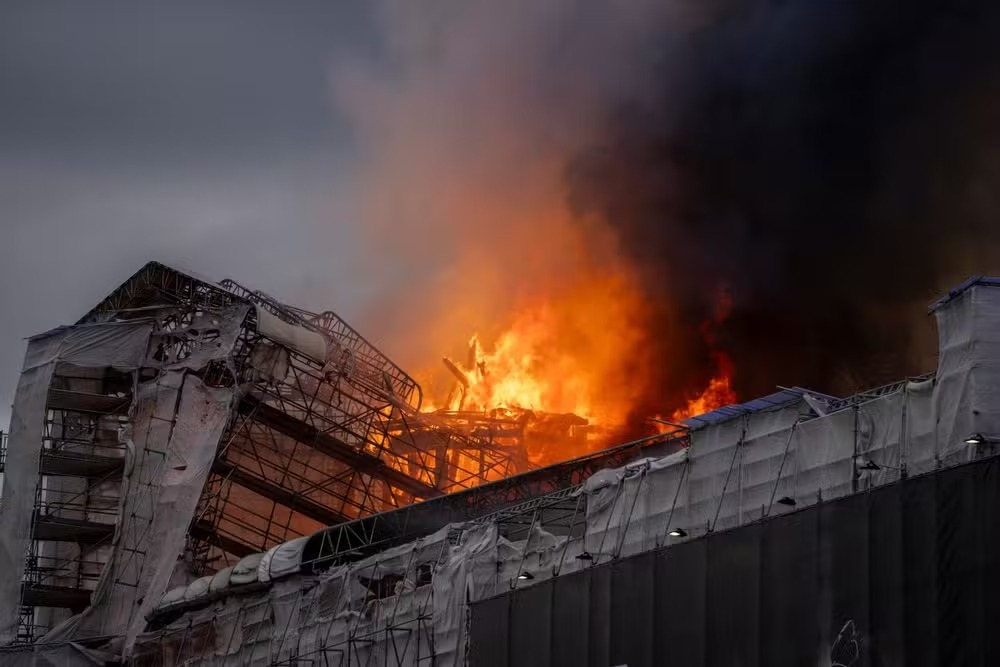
(199, 474)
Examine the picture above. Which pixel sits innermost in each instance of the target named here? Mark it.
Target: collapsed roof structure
(202, 474)
(183, 416)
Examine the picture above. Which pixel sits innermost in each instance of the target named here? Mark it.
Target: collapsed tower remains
(183, 418)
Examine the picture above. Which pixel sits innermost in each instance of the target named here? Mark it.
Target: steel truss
(507, 500)
(310, 443)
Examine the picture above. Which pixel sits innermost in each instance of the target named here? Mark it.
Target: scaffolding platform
(57, 529)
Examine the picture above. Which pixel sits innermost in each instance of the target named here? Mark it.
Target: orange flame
(574, 354)
(571, 353)
(718, 393)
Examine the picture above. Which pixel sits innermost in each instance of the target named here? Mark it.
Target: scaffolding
(76, 498)
(323, 429)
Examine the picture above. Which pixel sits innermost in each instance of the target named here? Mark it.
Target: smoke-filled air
(625, 211)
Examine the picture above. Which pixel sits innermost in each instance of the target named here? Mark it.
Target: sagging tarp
(906, 574)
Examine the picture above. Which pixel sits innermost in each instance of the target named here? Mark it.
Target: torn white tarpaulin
(118, 345)
(300, 339)
(176, 427)
(209, 336)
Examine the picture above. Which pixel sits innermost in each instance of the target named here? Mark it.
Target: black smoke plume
(830, 165)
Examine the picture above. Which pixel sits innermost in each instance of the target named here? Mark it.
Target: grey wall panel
(885, 575)
(570, 619)
(919, 567)
(789, 591)
(632, 610)
(681, 580)
(599, 622)
(732, 606)
(531, 626)
(908, 574)
(489, 618)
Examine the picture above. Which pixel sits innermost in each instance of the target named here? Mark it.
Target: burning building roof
(265, 443)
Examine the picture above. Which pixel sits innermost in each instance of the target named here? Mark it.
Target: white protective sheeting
(281, 560)
(118, 345)
(176, 428)
(173, 596)
(967, 396)
(323, 620)
(245, 571)
(198, 588)
(302, 340)
(220, 581)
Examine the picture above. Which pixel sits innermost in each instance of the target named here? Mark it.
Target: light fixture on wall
(975, 439)
(787, 501)
(869, 465)
(584, 555)
(525, 576)
(677, 532)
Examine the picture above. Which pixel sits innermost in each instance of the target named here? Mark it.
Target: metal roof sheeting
(776, 400)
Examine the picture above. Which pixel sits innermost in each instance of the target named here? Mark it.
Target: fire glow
(569, 368)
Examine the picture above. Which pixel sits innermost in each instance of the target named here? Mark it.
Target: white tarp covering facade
(117, 345)
(169, 438)
(176, 427)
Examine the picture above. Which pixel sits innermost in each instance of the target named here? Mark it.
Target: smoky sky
(829, 166)
(201, 134)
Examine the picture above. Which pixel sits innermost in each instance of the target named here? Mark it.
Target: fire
(569, 368)
(566, 357)
(718, 393)
(464, 185)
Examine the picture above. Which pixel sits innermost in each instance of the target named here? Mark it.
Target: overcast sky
(200, 134)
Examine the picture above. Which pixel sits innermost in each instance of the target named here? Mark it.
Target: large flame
(577, 353)
(718, 393)
(465, 146)
(564, 354)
